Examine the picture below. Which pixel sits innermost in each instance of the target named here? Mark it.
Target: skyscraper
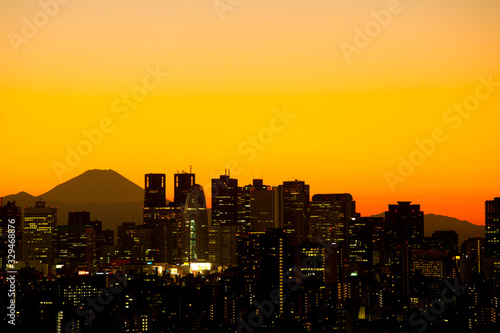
(404, 232)
(261, 210)
(492, 232)
(404, 224)
(10, 219)
(40, 232)
(293, 203)
(154, 190)
(263, 261)
(79, 218)
(194, 232)
(155, 235)
(224, 201)
(128, 240)
(360, 232)
(223, 233)
(182, 185)
(330, 216)
(255, 206)
(77, 244)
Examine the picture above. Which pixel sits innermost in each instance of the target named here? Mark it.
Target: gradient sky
(352, 119)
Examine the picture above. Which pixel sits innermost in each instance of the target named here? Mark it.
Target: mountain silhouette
(98, 186)
(107, 195)
(463, 228)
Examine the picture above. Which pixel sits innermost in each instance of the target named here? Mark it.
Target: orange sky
(351, 115)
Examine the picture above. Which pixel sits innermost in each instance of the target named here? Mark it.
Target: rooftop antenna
(190, 168)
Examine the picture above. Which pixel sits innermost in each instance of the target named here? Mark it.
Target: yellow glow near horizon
(352, 119)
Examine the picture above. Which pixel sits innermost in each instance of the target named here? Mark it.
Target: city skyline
(170, 195)
(272, 253)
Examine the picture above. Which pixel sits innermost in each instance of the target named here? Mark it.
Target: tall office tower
(404, 224)
(225, 229)
(148, 241)
(261, 210)
(322, 271)
(128, 241)
(194, 231)
(473, 250)
(248, 260)
(10, 223)
(153, 233)
(448, 240)
(360, 241)
(224, 201)
(378, 242)
(245, 201)
(223, 245)
(40, 232)
(79, 218)
(492, 232)
(182, 184)
(293, 204)
(154, 190)
(330, 215)
(264, 260)
(77, 244)
(404, 232)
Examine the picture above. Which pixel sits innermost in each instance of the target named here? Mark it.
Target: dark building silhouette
(263, 261)
(224, 201)
(360, 240)
(404, 232)
(225, 229)
(255, 207)
(159, 235)
(10, 219)
(182, 185)
(448, 240)
(292, 202)
(79, 218)
(154, 190)
(330, 216)
(473, 250)
(223, 245)
(492, 228)
(404, 224)
(262, 209)
(40, 233)
(378, 241)
(76, 244)
(128, 240)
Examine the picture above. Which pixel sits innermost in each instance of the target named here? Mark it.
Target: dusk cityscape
(249, 166)
(261, 259)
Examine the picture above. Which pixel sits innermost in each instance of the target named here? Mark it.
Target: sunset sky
(231, 70)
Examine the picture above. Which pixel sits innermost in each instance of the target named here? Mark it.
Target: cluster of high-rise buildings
(321, 265)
